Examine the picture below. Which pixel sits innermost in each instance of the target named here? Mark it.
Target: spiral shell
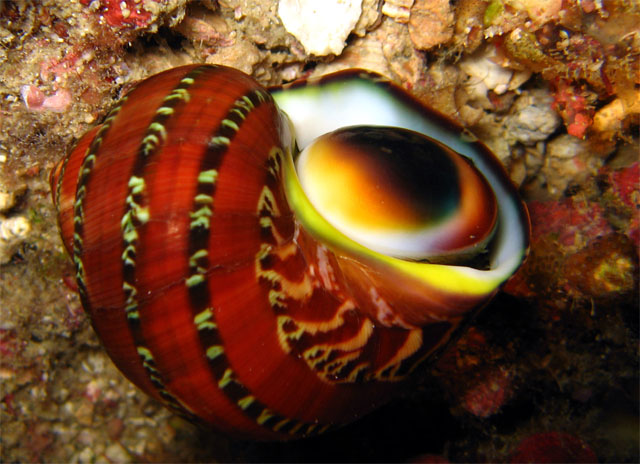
(245, 299)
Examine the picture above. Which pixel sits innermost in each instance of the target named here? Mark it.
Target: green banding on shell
(220, 141)
(245, 402)
(78, 208)
(165, 111)
(264, 416)
(136, 215)
(180, 93)
(204, 211)
(199, 239)
(148, 363)
(262, 96)
(226, 378)
(207, 326)
(130, 234)
(296, 428)
(145, 354)
(203, 316)
(150, 142)
(159, 128)
(214, 351)
(142, 215)
(63, 170)
(266, 201)
(207, 177)
(196, 256)
(131, 308)
(248, 102)
(194, 280)
(231, 124)
(201, 222)
(136, 184)
(281, 424)
(204, 199)
(239, 112)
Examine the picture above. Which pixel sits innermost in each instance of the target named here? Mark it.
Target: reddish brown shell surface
(203, 288)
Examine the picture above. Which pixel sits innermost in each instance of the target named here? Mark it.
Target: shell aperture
(398, 192)
(359, 97)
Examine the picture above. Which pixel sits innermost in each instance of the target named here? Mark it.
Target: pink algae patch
(570, 221)
(35, 100)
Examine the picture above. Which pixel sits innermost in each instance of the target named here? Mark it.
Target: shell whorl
(213, 283)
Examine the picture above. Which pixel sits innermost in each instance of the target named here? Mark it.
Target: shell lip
(358, 96)
(347, 78)
(448, 277)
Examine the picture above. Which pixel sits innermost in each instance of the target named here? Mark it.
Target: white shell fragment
(540, 11)
(487, 73)
(321, 26)
(568, 161)
(13, 231)
(399, 10)
(533, 119)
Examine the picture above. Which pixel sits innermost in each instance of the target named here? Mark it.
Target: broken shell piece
(13, 231)
(369, 19)
(610, 117)
(540, 11)
(399, 10)
(15, 227)
(8, 199)
(321, 27)
(363, 52)
(568, 161)
(485, 74)
(532, 118)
